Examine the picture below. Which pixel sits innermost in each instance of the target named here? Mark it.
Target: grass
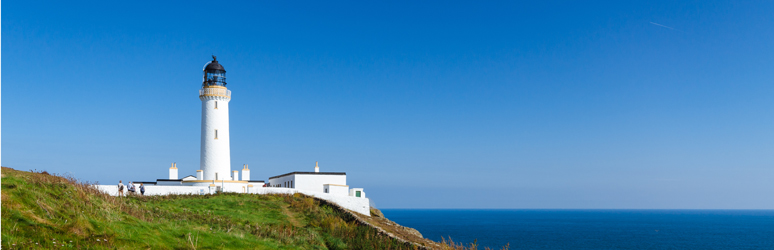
(45, 211)
(40, 210)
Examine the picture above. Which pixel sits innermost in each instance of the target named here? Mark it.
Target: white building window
(216, 104)
(216, 134)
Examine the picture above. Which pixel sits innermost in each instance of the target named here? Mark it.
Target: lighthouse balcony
(221, 92)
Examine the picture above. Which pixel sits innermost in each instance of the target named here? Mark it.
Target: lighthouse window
(216, 104)
(216, 134)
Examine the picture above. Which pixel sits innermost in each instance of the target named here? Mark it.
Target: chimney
(235, 175)
(245, 173)
(173, 172)
(199, 174)
(316, 168)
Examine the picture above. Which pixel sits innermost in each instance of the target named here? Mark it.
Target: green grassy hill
(45, 211)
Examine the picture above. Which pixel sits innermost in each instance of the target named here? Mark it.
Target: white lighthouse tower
(215, 161)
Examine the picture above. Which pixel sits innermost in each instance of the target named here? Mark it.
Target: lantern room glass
(215, 78)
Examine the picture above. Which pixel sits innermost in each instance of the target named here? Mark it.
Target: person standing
(120, 188)
(130, 187)
(142, 189)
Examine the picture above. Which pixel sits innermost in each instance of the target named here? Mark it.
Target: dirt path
(291, 217)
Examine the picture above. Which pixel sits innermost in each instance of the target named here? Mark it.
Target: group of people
(129, 187)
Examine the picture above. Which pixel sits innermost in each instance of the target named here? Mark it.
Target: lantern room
(214, 74)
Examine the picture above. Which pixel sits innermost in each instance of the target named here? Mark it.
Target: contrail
(664, 26)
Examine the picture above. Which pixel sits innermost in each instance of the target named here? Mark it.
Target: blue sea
(595, 229)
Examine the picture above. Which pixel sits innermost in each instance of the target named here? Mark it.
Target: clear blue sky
(517, 104)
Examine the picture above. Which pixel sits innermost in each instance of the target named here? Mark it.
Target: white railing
(215, 92)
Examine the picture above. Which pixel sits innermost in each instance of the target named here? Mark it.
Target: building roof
(214, 66)
(310, 173)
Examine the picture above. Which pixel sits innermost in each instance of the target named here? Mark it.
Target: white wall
(360, 205)
(334, 189)
(245, 174)
(310, 182)
(173, 173)
(272, 190)
(315, 182)
(156, 190)
(353, 192)
(284, 181)
(215, 153)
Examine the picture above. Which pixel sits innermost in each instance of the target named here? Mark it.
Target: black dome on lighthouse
(214, 65)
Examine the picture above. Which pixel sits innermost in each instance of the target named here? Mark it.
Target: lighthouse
(215, 161)
(215, 174)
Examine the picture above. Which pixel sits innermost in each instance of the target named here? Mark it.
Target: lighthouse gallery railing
(215, 92)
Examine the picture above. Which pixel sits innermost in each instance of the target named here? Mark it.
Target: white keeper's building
(215, 173)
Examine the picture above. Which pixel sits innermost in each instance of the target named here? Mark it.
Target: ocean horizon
(594, 228)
